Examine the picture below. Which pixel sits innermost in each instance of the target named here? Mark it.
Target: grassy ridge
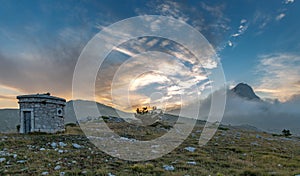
(230, 152)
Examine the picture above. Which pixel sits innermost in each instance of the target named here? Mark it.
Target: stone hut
(41, 113)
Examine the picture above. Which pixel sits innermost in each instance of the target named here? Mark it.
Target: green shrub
(250, 173)
(142, 167)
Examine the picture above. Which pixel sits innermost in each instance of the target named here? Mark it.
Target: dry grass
(230, 152)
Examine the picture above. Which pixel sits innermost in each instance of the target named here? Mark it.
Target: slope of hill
(9, 119)
(230, 152)
(88, 111)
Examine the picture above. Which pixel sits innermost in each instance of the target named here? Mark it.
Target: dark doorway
(27, 121)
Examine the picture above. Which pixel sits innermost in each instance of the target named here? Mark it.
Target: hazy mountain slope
(244, 107)
(9, 119)
(88, 106)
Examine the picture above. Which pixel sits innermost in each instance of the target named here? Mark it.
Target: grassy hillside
(232, 151)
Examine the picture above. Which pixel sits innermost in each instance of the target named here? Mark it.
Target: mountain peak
(245, 91)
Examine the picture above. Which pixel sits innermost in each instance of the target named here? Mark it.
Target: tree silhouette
(286, 133)
(145, 110)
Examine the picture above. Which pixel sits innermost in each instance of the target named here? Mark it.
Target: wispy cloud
(8, 96)
(280, 75)
(280, 16)
(172, 74)
(207, 18)
(167, 8)
(289, 1)
(241, 29)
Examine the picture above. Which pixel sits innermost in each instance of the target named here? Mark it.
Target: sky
(257, 42)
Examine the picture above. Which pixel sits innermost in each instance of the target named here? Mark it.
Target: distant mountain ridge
(70, 115)
(243, 109)
(9, 118)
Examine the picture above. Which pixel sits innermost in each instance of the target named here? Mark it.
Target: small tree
(286, 133)
(138, 111)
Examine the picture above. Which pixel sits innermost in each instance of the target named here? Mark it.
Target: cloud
(39, 54)
(241, 29)
(167, 8)
(243, 21)
(209, 19)
(261, 19)
(44, 53)
(7, 97)
(280, 16)
(172, 71)
(147, 79)
(279, 75)
(289, 1)
(271, 115)
(230, 43)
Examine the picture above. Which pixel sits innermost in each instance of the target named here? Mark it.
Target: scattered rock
(155, 146)
(198, 131)
(60, 151)
(191, 162)
(4, 153)
(84, 172)
(2, 160)
(168, 168)
(42, 149)
(77, 146)
(258, 136)
(21, 161)
(62, 144)
(127, 139)
(110, 174)
(254, 144)
(53, 144)
(45, 173)
(190, 149)
(57, 167)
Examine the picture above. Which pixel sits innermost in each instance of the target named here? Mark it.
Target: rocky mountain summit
(245, 91)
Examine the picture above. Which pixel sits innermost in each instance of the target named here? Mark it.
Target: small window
(59, 111)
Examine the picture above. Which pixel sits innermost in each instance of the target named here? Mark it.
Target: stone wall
(45, 111)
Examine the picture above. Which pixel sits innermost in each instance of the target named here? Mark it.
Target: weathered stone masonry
(41, 113)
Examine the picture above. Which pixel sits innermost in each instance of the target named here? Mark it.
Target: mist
(268, 115)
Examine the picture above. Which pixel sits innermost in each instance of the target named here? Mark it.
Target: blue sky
(258, 42)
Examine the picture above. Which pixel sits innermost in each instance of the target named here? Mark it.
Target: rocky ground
(231, 152)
